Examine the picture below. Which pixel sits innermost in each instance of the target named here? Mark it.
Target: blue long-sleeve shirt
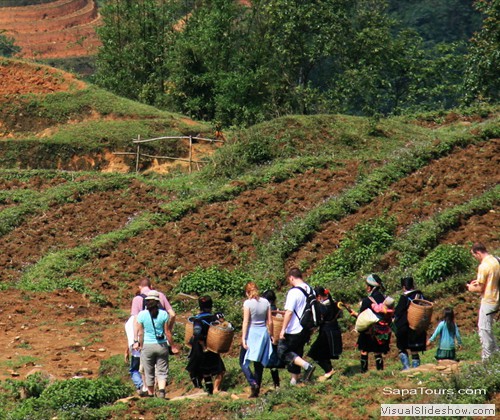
(446, 341)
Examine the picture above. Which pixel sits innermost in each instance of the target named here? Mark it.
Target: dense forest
(242, 62)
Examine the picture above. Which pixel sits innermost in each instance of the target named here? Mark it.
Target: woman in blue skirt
(256, 337)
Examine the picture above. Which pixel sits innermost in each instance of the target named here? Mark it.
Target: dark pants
(292, 347)
(326, 365)
(253, 379)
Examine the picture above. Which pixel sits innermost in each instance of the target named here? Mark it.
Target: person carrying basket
(205, 365)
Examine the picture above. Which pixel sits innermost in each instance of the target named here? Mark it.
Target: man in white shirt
(293, 337)
(133, 356)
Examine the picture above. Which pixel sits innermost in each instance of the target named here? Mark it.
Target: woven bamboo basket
(219, 338)
(277, 325)
(188, 332)
(420, 314)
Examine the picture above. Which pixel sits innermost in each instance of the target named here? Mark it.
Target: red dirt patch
(448, 119)
(63, 341)
(18, 78)
(444, 183)
(479, 228)
(36, 183)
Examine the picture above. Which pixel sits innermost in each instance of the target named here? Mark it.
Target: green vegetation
(84, 123)
(216, 183)
(474, 377)
(481, 81)
(356, 253)
(443, 261)
(8, 48)
(272, 254)
(438, 21)
(441, 268)
(203, 281)
(385, 150)
(70, 398)
(236, 64)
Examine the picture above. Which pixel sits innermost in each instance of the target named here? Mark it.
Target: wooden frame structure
(140, 141)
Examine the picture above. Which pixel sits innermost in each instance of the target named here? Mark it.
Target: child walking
(448, 333)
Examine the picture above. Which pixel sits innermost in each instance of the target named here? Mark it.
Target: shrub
(72, 398)
(357, 252)
(84, 393)
(214, 279)
(444, 261)
(33, 385)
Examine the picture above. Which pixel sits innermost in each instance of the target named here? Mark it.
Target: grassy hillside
(67, 124)
(338, 196)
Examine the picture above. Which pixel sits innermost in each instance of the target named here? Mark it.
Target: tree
(437, 21)
(202, 56)
(483, 61)
(8, 48)
(136, 38)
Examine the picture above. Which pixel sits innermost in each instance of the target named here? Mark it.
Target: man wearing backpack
(294, 336)
(487, 283)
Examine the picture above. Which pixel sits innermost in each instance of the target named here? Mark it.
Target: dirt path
(59, 333)
(63, 334)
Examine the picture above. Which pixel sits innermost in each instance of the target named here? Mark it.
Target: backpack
(311, 317)
(143, 296)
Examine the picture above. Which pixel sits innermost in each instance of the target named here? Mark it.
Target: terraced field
(56, 29)
(293, 191)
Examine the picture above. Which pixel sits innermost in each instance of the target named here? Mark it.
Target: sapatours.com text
(429, 391)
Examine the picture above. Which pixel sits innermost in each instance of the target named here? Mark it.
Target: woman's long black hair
(153, 306)
(407, 283)
(449, 318)
(321, 291)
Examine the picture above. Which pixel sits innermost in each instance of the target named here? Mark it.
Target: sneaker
(308, 373)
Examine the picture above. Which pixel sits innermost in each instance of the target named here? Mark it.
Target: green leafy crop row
(272, 255)
(424, 236)
(358, 250)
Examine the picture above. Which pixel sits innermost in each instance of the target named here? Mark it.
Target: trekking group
(149, 331)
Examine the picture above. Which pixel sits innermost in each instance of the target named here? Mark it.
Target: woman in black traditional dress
(204, 365)
(408, 339)
(376, 339)
(328, 344)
